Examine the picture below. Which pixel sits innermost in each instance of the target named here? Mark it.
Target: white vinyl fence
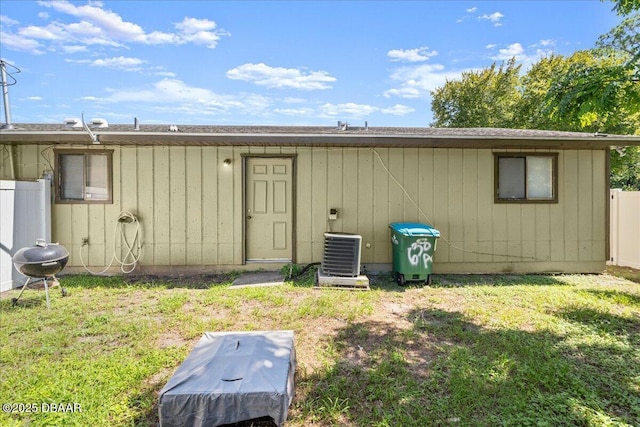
(625, 228)
(25, 215)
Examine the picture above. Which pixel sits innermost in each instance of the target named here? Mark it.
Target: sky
(269, 63)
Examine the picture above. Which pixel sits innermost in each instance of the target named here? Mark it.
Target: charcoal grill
(41, 261)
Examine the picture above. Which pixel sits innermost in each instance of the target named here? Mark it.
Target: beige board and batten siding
(453, 191)
(190, 206)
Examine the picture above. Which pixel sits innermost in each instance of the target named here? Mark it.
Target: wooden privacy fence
(625, 228)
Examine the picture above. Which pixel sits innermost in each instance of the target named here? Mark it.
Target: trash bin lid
(414, 229)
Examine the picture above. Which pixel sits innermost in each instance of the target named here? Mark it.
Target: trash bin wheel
(400, 279)
(428, 281)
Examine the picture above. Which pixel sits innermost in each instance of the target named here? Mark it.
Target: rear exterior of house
(503, 201)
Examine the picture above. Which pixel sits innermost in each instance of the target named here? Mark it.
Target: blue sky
(270, 63)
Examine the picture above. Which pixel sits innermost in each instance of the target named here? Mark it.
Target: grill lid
(41, 252)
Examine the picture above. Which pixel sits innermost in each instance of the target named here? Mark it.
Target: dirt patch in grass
(626, 272)
(170, 338)
(192, 281)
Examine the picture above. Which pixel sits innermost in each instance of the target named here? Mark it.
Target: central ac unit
(341, 254)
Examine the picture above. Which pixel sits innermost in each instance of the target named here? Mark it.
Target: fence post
(614, 224)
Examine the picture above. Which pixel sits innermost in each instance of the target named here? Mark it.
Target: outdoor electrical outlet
(85, 241)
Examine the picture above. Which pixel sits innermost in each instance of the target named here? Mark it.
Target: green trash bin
(413, 247)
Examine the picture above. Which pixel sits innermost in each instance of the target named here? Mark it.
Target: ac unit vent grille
(341, 254)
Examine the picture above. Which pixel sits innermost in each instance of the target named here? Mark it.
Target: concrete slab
(359, 282)
(261, 278)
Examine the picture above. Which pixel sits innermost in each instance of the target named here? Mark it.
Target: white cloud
(102, 21)
(74, 49)
(119, 63)
(194, 25)
(5, 20)
(17, 42)
(34, 98)
(200, 31)
(526, 58)
(398, 110)
(514, 49)
(411, 55)
(298, 112)
(495, 17)
(172, 95)
(99, 26)
(491, 46)
(293, 100)
(469, 11)
(280, 77)
(50, 32)
(545, 43)
(347, 109)
(417, 82)
(165, 74)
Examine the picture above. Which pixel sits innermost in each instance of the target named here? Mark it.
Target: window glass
(526, 177)
(83, 176)
(511, 180)
(539, 177)
(97, 177)
(72, 176)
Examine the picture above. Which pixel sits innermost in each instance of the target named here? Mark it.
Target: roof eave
(327, 140)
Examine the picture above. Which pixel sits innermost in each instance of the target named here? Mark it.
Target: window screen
(525, 177)
(84, 176)
(97, 177)
(511, 177)
(72, 175)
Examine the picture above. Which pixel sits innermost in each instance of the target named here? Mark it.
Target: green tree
(593, 91)
(625, 168)
(625, 7)
(535, 84)
(485, 98)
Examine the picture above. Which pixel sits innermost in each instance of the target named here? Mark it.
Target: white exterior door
(269, 209)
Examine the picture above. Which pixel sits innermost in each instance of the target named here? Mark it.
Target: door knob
(248, 216)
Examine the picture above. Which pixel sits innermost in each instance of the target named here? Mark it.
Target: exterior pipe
(5, 95)
(12, 165)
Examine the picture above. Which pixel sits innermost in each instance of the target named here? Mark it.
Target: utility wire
(408, 196)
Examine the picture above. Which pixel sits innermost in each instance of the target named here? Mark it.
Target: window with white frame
(526, 177)
(83, 176)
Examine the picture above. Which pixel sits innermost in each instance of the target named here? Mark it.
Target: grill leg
(15, 300)
(46, 291)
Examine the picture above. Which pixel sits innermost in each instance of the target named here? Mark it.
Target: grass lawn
(510, 350)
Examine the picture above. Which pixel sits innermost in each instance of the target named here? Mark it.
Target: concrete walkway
(261, 278)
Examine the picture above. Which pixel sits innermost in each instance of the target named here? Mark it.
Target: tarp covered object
(231, 377)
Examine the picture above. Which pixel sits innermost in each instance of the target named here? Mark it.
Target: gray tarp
(231, 377)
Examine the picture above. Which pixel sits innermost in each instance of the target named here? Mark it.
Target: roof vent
(136, 124)
(99, 123)
(343, 125)
(173, 128)
(73, 123)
